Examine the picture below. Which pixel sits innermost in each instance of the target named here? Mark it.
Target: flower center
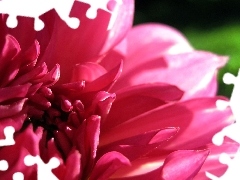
(53, 111)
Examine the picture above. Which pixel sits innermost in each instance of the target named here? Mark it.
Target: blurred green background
(212, 25)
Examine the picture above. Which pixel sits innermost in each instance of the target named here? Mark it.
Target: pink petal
(26, 143)
(156, 40)
(135, 100)
(14, 121)
(108, 164)
(51, 77)
(48, 149)
(183, 164)
(87, 140)
(105, 81)
(178, 165)
(92, 135)
(15, 62)
(88, 72)
(8, 65)
(91, 39)
(151, 137)
(102, 103)
(111, 59)
(73, 166)
(62, 142)
(161, 91)
(29, 55)
(24, 32)
(123, 23)
(13, 92)
(140, 145)
(11, 109)
(192, 72)
(36, 73)
(212, 164)
(142, 168)
(10, 49)
(189, 116)
(69, 88)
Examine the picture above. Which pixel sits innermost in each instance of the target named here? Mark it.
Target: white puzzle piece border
(36, 8)
(232, 131)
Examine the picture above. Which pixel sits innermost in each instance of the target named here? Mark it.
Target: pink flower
(155, 120)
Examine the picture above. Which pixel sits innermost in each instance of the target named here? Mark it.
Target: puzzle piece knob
(91, 13)
(12, 21)
(73, 22)
(3, 165)
(229, 78)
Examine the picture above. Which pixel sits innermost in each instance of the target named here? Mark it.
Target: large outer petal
(66, 46)
(135, 100)
(190, 116)
(89, 40)
(148, 42)
(164, 55)
(178, 165)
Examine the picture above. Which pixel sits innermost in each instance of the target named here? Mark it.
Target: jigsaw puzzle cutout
(36, 8)
(3, 165)
(232, 131)
(18, 176)
(8, 141)
(8, 133)
(44, 170)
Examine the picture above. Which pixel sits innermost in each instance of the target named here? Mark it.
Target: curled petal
(92, 135)
(147, 96)
(8, 65)
(51, 77)
(87, 140)
(88, 72)
(108, 164)
(183, 164)
(24, 33)
(15, 62)
(36, 73)
(12, 92)
(102, 103)
(73, 166)
(105, 81)
(11, 109)
(10, 49)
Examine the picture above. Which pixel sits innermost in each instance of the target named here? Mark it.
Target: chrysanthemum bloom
(154, 121)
